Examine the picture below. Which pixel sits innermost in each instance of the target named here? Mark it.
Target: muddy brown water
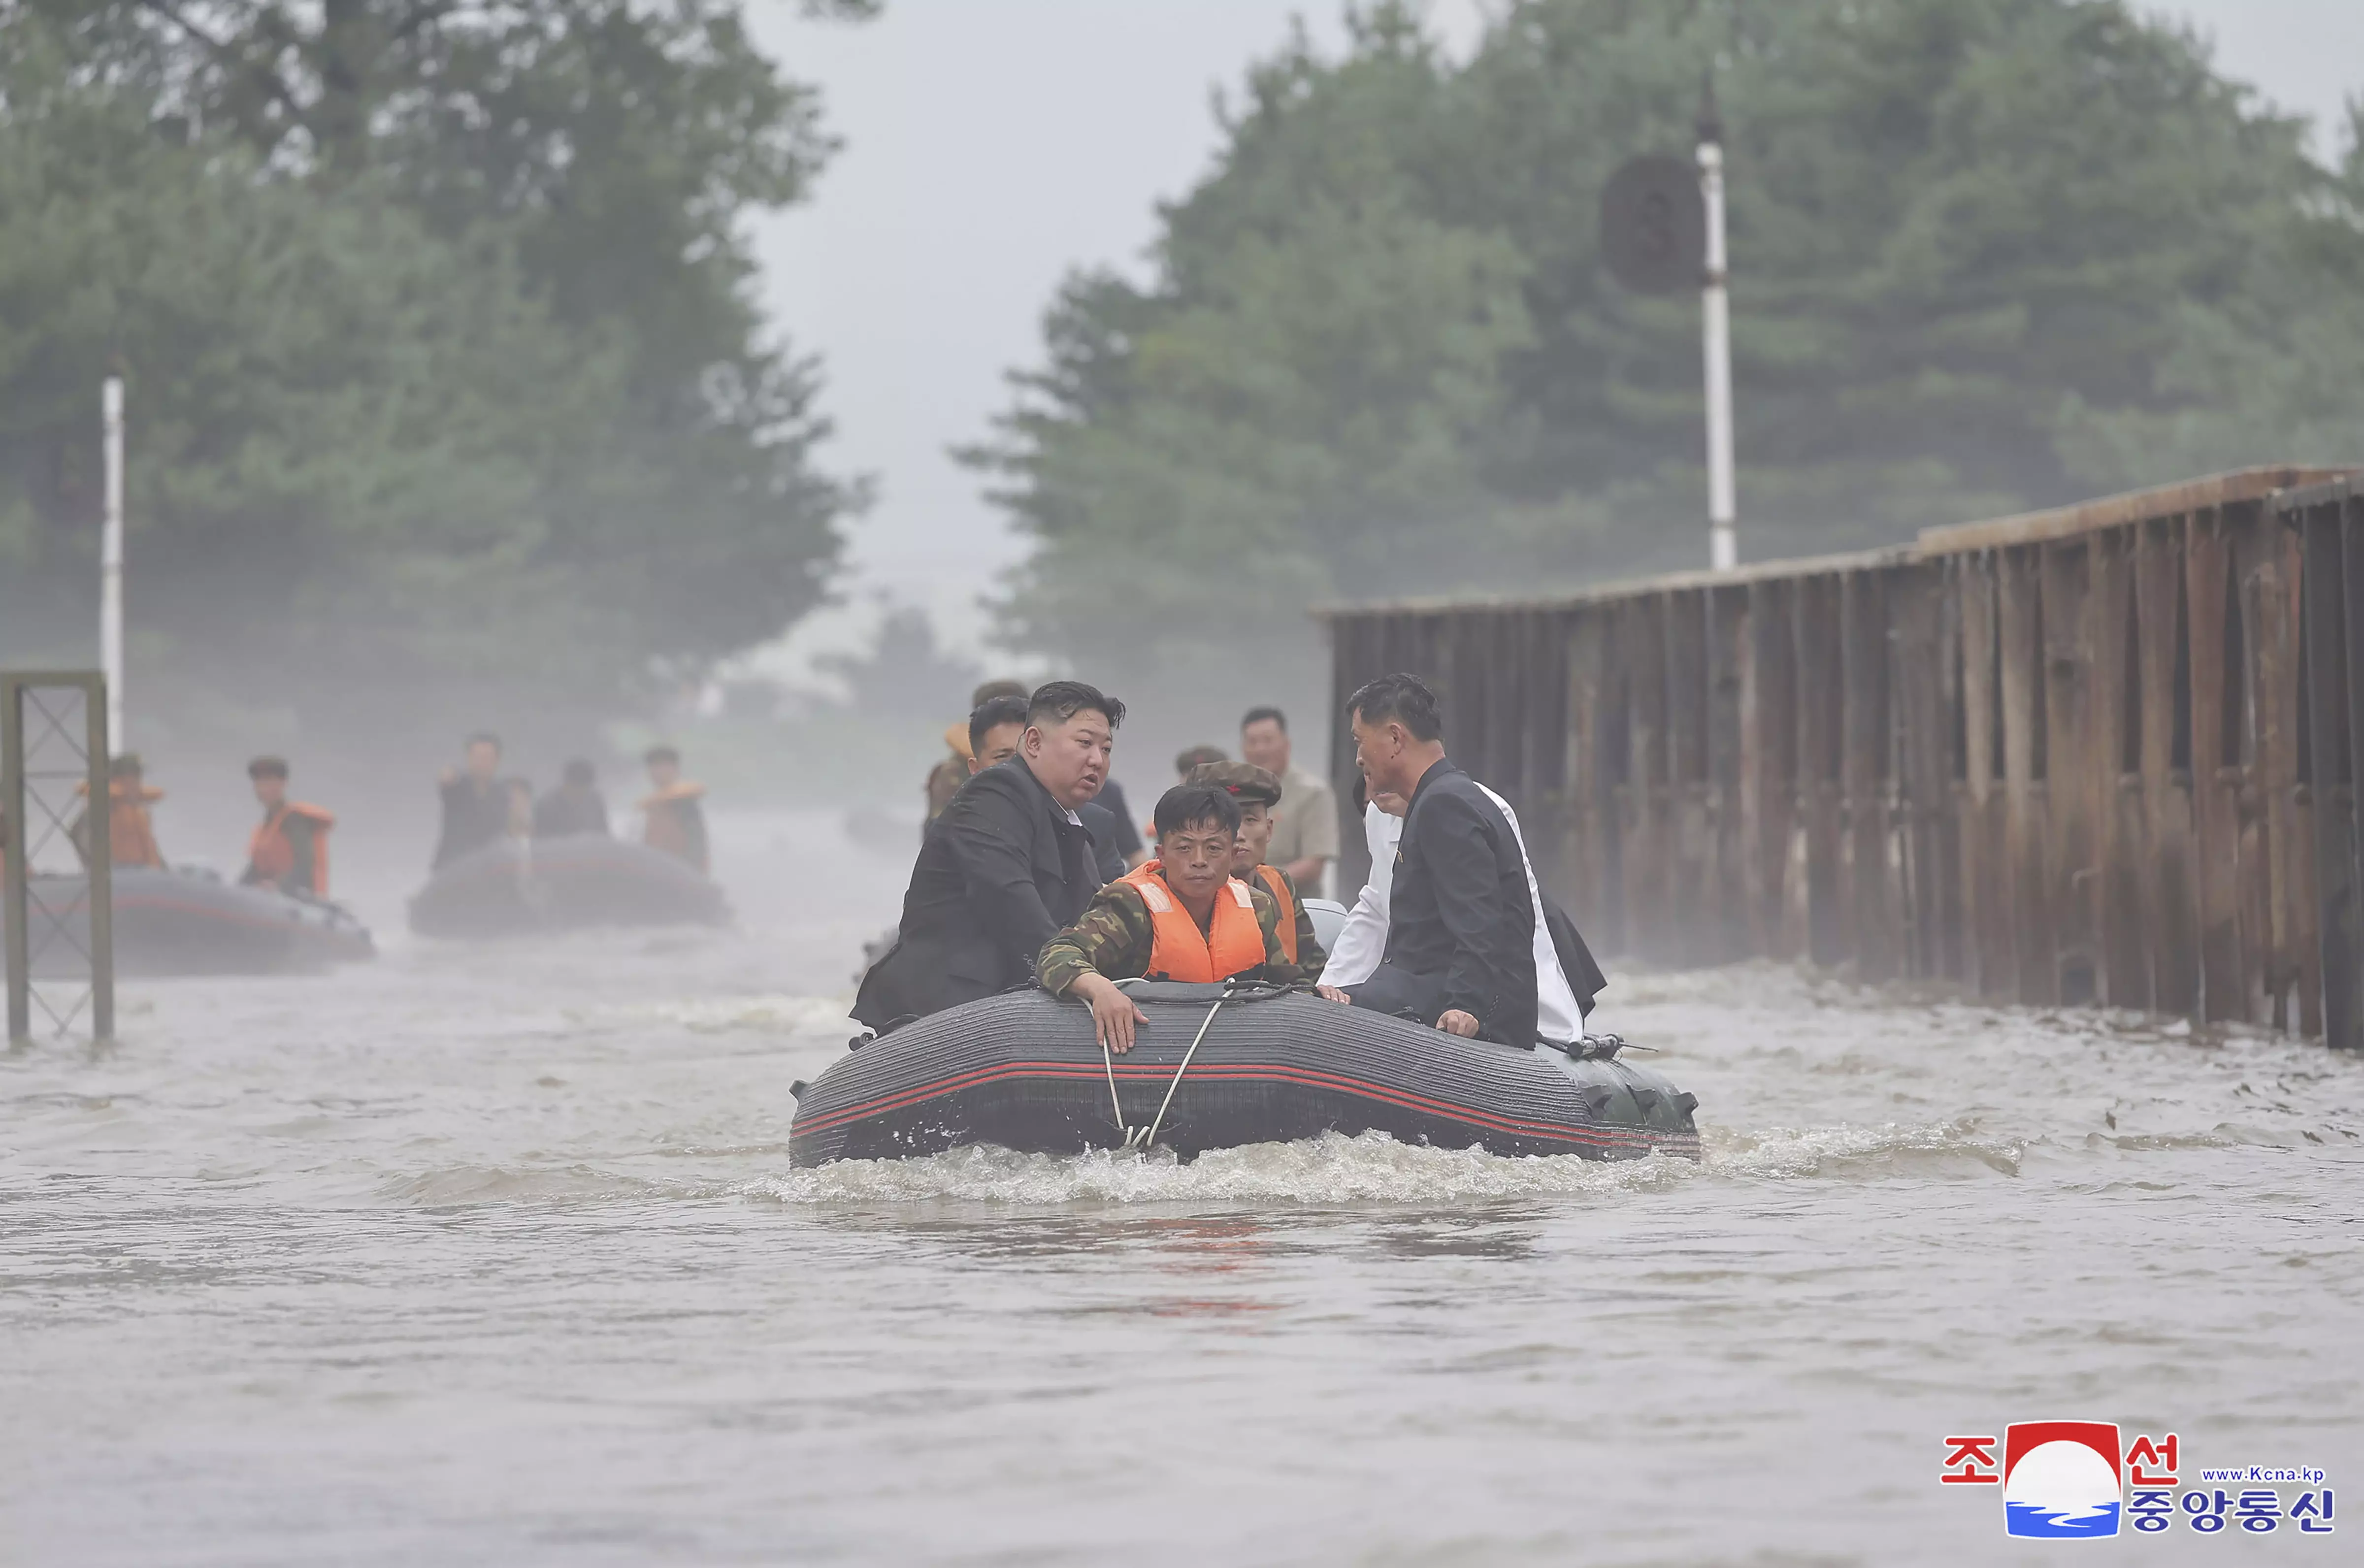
(496, 1256)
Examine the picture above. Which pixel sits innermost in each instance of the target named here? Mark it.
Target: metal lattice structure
(56, 884)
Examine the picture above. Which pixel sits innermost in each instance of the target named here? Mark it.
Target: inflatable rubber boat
(192, 922)
(1217, 1068)
(565, 883)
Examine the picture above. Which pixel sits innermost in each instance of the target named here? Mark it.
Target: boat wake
(1373, 1168)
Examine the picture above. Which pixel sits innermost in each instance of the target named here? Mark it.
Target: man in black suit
(1004, 869)
(1461, 933)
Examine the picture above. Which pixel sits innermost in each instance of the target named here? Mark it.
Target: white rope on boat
(1160, 1119)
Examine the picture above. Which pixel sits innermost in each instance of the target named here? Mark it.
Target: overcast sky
(992, 145)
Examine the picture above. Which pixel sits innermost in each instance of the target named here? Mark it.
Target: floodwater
(496, 1257)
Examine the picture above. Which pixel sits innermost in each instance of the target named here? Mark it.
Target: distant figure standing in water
(130, 831)
(290, 848)
(675, 823)
(476, 804)
(575, 806)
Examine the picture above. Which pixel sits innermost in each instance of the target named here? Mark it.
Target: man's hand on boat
(1455, 1021)
(1114, 1014)
(1331, 993)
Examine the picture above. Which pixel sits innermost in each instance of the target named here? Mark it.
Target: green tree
(1987, 254)
(439, 322)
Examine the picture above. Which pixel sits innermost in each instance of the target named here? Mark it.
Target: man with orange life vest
(1257, 791)
(675, 822)
(1180, 916)
(290, 849)
(131, 832)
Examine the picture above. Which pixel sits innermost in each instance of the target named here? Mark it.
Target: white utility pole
(1715, 319)
(110, 568)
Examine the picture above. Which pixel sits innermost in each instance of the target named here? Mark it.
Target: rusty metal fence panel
(2103, 754)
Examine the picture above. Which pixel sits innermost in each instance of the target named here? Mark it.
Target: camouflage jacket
(1309, 956)
(1115, 937)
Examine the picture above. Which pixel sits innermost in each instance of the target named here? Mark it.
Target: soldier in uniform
(1257, 791)
(1180, 916)
(944, 780)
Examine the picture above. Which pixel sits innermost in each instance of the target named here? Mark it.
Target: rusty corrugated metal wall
(2056, 759)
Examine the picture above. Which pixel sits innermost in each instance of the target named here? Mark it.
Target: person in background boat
(517, 791)
(1305, 840)
(130, 831)
(1184, 915)
(1566, 978)
(475, 803)
(944, 780)
(289, 850)
(675, 822)
(1461, 935)
(575, 806)
(1257, 794)
(1008, 864)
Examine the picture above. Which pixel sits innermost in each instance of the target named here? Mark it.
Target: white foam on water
(1370, 1168)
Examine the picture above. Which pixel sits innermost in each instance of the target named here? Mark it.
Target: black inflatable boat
(555, 885)
(1022, 1071)
(193, 922)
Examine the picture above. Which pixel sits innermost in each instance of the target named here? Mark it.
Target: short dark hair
(1056, 702)
(579, 771)
(123, 766)
(1186, 805)
(1404, 698)
(991, 715)
(992, 689)
(1191, 757)
(267, 768)
(485, 736)
(1258, 715)
(656, 754)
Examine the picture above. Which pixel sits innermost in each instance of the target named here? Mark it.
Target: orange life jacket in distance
(130, 831)
(1277, 885)
(273, 854)
(1179, 950)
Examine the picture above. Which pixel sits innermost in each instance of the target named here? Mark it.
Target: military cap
(1245, 781)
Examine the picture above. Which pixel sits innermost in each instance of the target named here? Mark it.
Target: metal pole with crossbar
(46, 761)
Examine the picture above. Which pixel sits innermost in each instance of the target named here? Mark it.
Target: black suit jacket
(1459, 909)
(999, 874)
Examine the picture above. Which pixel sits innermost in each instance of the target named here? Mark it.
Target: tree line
(438, 327)
(1986, 255)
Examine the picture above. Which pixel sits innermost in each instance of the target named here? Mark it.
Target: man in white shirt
(1354, 957)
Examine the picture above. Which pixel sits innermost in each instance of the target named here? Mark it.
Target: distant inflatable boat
(1022, 1071)
(193, 922)
(567, 883)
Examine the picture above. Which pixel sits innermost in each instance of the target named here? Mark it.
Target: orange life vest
(273, 854)
(665, 830)
(1179, 950)
(1277, 885)
(131, 832)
